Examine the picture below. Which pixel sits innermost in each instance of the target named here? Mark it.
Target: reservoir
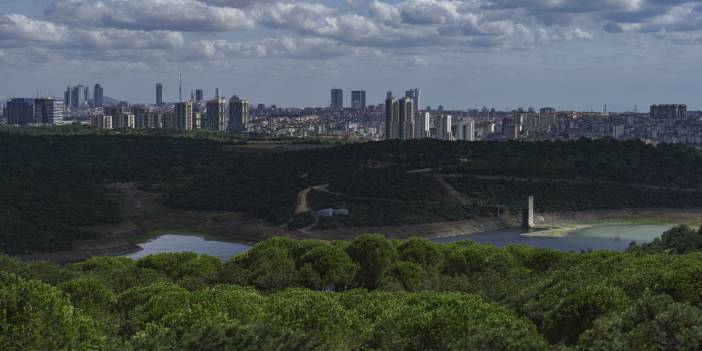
(192, 243)
(600, 237)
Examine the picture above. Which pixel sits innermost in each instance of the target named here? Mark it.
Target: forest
(53, 181)
(370, 293)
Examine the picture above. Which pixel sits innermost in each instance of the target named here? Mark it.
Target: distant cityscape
(401, 118)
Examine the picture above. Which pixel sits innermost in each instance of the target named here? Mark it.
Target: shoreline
(122, 242)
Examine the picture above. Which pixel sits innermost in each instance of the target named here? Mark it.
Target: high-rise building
(67, 97)
(98, 95)
(444, 128)
(147, 120)
(184, 116)
(216, 93)
(48, 111)
(123, 121)
(159, 94)
(392, 118)
(101, 122)
(79, 97)
(20, 111)
(510, 128)
(168, 120)
(422, 125)
(465, 129)
(414, 95)
(358, 99)
(199, 95)
(406, 119)
(215, 114)
(337, 98)
(669, 112)
(238, 115)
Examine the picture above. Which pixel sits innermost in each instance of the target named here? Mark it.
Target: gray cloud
(181, 15)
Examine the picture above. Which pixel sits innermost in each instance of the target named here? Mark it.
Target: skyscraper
(414, 95)
(238, 115)
(97, 95)
(337, 98)
(214, 115)
(358, 99)
(406, 119)
(79, 97)
(67, 97)
(48, 111)
(159, 94)
(392, 118)
(422, 128)
(184, 116)
(198, 95)
(444, 128)
(20, 111)
(216, 93)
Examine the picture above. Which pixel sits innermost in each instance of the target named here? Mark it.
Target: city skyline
(570, 55)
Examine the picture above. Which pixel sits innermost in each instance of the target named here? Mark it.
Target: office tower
(48, 111)
(444, 128)
(392, 118)
(669, 112)
(183, 116)
(79, 97)
(180, 88)
(465, 129)
(406, 119)
(358, 99)
(414, 95)
(337, 98)
(67, 97)
(159, 94)
(260, 107)
(422, 125)
(388, 95)
(198, 95)
(216, 94)
(20, 111)
(238, 115)
(214, 115)
(97, 95)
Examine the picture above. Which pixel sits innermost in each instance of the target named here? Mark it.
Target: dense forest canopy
(367, 294)
(53, 184)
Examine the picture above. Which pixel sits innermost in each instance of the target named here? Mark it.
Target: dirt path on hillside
(451, 190)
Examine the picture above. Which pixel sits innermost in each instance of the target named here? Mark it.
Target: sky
(568, 54)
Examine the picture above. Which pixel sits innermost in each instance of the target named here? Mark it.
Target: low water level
(602, 237)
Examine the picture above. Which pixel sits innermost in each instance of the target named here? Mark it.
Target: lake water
(602, 237)
(191, 243)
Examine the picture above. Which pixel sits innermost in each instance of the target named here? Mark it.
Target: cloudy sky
(570, 54)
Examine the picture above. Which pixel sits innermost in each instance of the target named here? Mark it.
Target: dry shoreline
(120, 239)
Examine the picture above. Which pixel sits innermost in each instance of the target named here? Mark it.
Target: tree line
(369, 293)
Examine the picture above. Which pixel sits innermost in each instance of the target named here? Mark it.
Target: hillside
(55, 185)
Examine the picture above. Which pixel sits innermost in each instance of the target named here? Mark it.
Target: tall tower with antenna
(180, 88)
